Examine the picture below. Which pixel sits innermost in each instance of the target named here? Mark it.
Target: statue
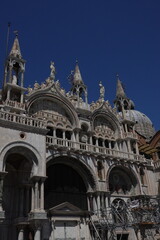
(43, 85)
(48, 81)
(102, 91)
(30, 89)
(14, 80)
(53, 70)
(36, 86)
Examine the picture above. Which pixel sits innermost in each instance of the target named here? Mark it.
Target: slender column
(94, 204)
(106, 202)
(22, 95)
(90, 140)
(54, 132)
(88, 201)
(1, 193)
(63, 134)
(27, 200)
(33, 197)
(21, 234)
(77, 136)
(102, 200)
(36, 196)
(37, 235)
(137, 150)
(22, 78)
(129, 146)
(86, 99)
(98, 203)
(42, 196)
(8, 94)
(21, 200)
(10, 74)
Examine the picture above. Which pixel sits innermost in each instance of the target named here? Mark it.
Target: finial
(76, 61)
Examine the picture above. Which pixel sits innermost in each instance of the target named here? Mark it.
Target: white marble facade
(70, 170)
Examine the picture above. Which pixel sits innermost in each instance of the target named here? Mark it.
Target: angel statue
(53, 70)
(102, 91)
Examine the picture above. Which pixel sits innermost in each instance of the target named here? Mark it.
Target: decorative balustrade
(130, 135)
(22, 119)
(88, 148)
(15, 104)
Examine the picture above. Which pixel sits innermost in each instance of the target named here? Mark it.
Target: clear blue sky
(106, 36)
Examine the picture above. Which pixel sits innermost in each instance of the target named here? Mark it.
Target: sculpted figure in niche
(14, 80)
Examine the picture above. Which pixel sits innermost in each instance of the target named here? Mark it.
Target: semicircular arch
(121, 171)
(103, 119)
(54, 104)
(79, 166)
(25, 149)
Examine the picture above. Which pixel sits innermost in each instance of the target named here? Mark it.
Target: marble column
(22, 78)
(21, 201)
(42, 195)
(33, 197)
(37, 235)
(22, 97)
(21, 233)
(2, 175)
(94, 204)
(36, 196)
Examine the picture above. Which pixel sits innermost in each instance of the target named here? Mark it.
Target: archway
(17, 192)
(64, 184)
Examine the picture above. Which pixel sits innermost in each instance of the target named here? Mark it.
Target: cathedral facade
(70, 170)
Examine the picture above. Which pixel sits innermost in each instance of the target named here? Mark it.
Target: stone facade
(69, 169)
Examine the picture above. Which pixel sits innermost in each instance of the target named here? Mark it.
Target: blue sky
(106, 36)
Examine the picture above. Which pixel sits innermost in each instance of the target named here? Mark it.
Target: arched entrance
(19, 163)
(64, 184)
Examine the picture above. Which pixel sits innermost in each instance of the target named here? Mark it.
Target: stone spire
(120, 93)
(13, 85)
(78, 90)
(77, 78)
(15, 51)
(122, 102)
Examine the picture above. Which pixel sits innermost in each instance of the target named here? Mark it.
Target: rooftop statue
(53, 70)
(102, 91)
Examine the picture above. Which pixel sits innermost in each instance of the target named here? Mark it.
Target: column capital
(37, 178)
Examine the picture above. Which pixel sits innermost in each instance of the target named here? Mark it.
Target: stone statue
(53, 70)
(48, 81)
(36, 86)
(102, 90)
(14, 80)
(30, 89)
(43, 85)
